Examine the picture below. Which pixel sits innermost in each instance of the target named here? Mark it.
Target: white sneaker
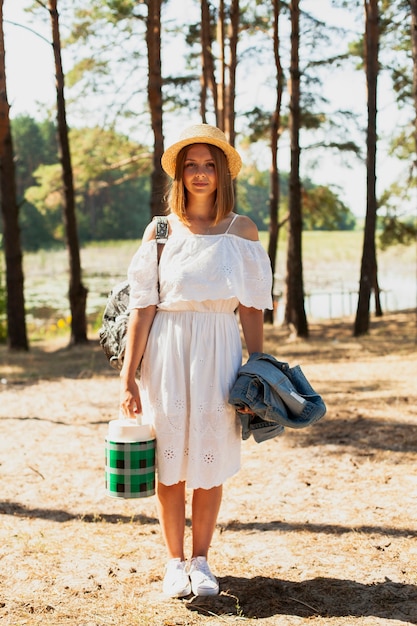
(176, 583)
(203, 583)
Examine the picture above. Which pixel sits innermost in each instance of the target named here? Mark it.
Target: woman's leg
(205, 508)
(171, 510)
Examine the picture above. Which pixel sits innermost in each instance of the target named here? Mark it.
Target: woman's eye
(208, 166)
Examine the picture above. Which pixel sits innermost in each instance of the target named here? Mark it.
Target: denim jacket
(279, 396)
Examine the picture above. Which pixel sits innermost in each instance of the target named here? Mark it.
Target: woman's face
(199, 176)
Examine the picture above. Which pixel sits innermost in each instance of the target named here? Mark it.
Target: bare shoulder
(244, 227)
(149, 232)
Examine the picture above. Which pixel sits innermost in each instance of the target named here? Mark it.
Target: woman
(186, 335)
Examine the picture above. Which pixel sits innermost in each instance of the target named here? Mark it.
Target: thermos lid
(128, 430)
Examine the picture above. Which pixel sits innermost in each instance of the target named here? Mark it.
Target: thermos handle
(137, 421)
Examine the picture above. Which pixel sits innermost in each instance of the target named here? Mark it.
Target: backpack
(112, 334)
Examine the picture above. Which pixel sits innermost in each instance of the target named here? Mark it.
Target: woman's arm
(252, 321)
(140, 322)
(139, 325)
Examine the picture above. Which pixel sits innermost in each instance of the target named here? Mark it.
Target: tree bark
(220, 113)
(223, 88)
(208, 73)
(377, 297)
(274, 185)
(368, 277)
(77, 291)
(205, 43)
(413, 5)
(153, 39)
(232, 66)
(294, 307)
(16, 322)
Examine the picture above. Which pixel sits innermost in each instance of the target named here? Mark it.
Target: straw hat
(201, 133)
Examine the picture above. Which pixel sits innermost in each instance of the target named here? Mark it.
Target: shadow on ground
(16, 509)
(394, 333)
(52, 361)
(359, 433)
(262, 597)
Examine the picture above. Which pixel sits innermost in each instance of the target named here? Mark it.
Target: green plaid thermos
(130, 459)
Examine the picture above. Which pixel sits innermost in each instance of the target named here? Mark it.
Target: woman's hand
(140, 322)
(130, 403)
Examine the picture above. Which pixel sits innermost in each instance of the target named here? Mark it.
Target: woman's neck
(201, 210)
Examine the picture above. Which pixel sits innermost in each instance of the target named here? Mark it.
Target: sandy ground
(318, 528)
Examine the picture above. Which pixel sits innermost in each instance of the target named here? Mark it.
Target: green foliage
(39, 231)
(253, 195)
(396, 48)
(46, 193)
(397, 226)
(258, 122)
(84, 68)
(112, 184)
(111, 177)
(396, 231)
(106, 87)
(403, 145)
(35, 145)
(44, 208)
(253, 200)
(323, 210)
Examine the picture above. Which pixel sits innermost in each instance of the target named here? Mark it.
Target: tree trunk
(16, 322)
(230, 88)
(205, 43)
(153, 39)
(368, 277)
(224, 88)
(220, 113)
(208, 73)
(413, 4)
(294, 308)
(377, 296)
(274, 194)
(77, 291)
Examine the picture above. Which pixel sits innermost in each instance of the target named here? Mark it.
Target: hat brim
(169, 158)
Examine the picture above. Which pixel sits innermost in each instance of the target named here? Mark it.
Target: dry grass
(318, 528)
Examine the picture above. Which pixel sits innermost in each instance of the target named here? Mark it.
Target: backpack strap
(161, 228)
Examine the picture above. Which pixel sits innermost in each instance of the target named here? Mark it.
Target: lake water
(396, 294)
(327, 297)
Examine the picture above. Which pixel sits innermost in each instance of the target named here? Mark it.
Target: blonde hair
(225, 198)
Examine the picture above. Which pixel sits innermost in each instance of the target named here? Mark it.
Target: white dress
(194, 349)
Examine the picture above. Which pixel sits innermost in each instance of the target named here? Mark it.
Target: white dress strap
(231, 224)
